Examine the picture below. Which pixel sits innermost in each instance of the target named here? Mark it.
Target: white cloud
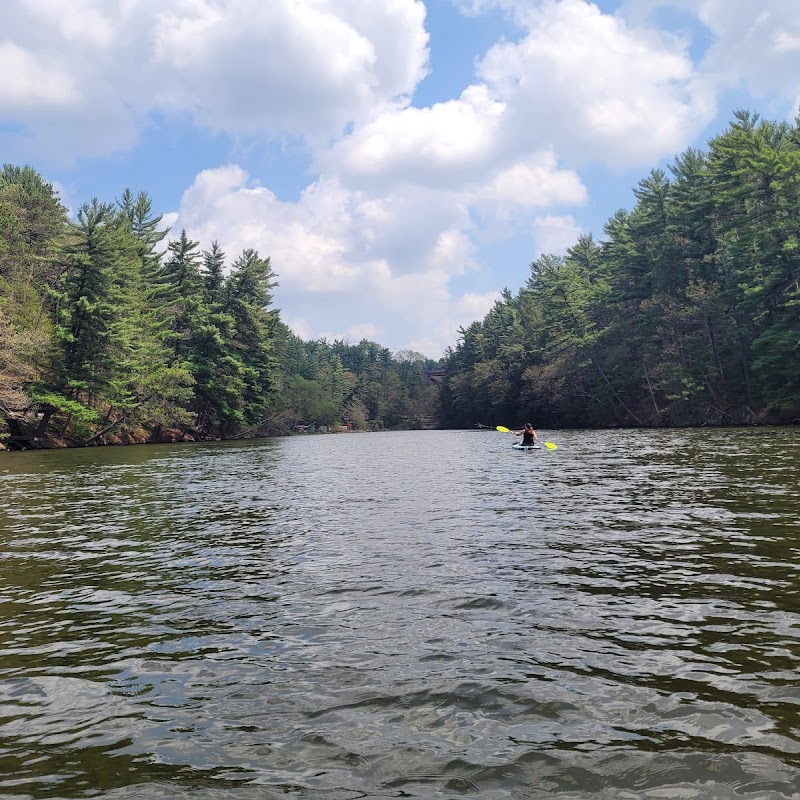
(579, 85)
(425, 145)
(594, 87)
(404, 200)
(475, 305)
(354, 333)
(384, 263)
(299, 325)
(554, 234)
(459, 313)
(305, 68)
(65, 196)
(755, 46)
(787, 42)
(169, 219)
(307, 241)
(332, 237)
(79, 21)
(534, 183)
(27, 81)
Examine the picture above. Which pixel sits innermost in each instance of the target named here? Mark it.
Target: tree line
(686, 313)
(112, 332)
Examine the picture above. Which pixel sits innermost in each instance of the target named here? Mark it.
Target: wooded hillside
(687, 313)
(112, 333)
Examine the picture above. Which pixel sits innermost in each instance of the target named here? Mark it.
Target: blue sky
(400, 161)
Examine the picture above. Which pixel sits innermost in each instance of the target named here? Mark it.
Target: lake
(404, 615)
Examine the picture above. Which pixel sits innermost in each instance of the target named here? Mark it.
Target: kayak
(518, 446)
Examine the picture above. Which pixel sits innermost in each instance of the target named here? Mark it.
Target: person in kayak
(528, 434)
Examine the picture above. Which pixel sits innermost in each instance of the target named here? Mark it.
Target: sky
(401, 162)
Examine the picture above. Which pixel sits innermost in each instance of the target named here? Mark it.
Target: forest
(685, 313)
(112, 333)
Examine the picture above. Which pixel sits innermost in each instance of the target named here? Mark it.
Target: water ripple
(419, 615)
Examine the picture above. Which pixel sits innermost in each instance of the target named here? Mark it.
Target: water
(415, 615)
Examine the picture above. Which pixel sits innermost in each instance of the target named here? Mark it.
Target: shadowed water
(415, 615)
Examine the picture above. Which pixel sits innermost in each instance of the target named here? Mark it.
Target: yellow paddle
(548, 445)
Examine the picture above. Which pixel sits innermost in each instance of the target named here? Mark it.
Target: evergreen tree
(32, 224)
(97, 252)
(150, 388)
(214, 272)
(180, 293)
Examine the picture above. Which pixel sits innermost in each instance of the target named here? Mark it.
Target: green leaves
(688, 313)
(77, 413)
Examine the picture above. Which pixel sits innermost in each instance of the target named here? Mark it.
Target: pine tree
(150, 388)
(248, 296)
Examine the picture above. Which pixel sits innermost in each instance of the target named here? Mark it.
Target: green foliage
(97, 256)
(79, 414)
(310, 401)
(32, 220)
(109, 332)
(229, 332)
(361, 385)
(686, 314)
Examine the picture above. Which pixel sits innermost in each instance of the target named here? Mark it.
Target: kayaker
(528, 435)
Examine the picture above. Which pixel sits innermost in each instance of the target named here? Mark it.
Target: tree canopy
(110, 331)
(685, 312)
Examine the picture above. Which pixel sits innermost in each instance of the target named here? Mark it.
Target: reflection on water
(419, 615)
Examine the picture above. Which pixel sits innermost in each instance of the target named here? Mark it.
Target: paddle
(548, 445)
